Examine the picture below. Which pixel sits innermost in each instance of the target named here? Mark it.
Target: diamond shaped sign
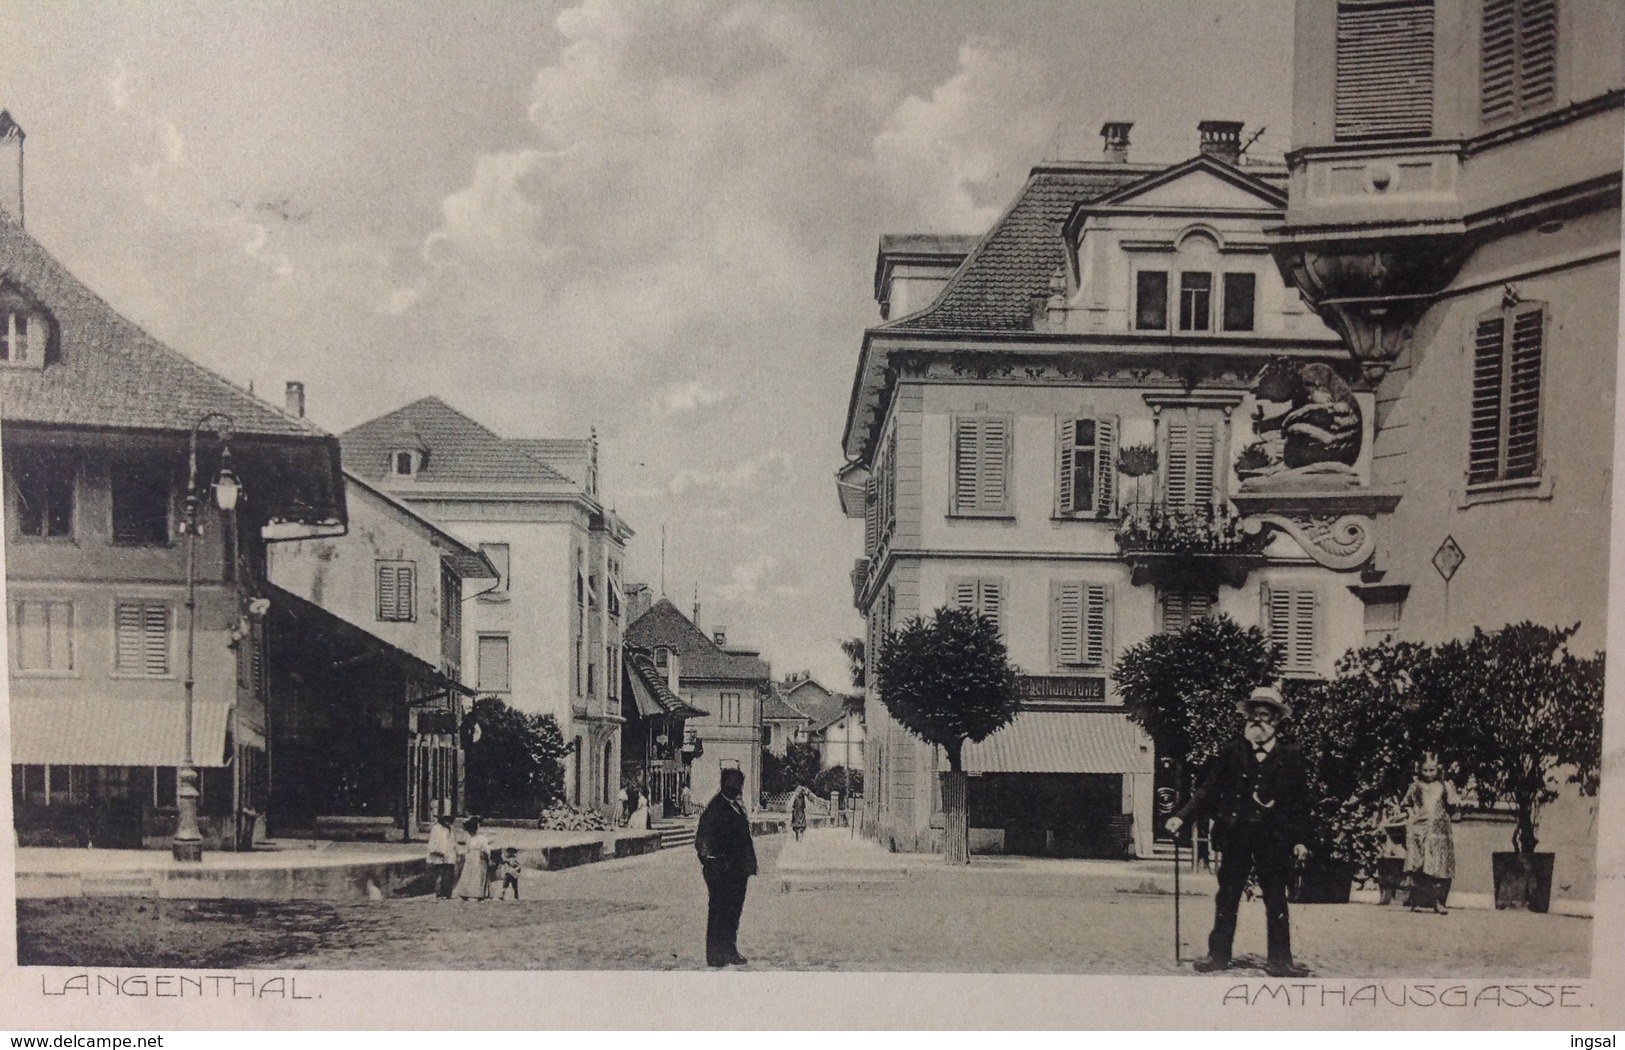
(1448, 558)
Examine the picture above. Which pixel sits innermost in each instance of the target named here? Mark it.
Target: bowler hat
(1267, 696)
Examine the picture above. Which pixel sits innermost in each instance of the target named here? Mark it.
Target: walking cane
(1177, 959)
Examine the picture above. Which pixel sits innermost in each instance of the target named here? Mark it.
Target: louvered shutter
(967, 453)
(1523, 395)
(991, 600)
(1484, 439)
(1106, 466)
(1069, 615)
(992, 480)
(1384, 70)
(871, 516)
(888, 493)
(1177, 473)
(1065, 443)
(1497, 61)
(387, 596)
(155, 640)
(1537, 53)
(1303, 630)
(1173, 612)
(962, 594)
(1198, 605)
(1201, 463)
(1097, 624)
(1518, 60)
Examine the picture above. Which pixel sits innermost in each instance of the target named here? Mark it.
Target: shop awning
(1063, 742)
(114, 731)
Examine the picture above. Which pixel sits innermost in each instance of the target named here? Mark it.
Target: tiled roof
(995, 288)
(664, 626)
(649, 684)
(821, 705)
(1063, 742)
(458, 449)
(106, 371)
(569, 456)
(775, 709)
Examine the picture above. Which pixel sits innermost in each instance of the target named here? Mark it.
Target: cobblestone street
(1004, 914)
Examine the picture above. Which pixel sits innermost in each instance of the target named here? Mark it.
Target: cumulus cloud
(691, 396)
(744, 476)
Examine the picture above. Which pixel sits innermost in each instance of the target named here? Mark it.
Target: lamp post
(188, 844)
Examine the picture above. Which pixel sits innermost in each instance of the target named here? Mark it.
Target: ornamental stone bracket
(1333, 528)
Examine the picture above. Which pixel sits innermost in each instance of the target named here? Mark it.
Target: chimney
(719, 634)
(11, 131)
(1221, 140)
(1115, 134)
(296, 398)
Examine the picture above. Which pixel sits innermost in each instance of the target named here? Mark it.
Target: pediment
(1198, 188)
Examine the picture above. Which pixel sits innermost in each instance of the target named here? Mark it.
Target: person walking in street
(1430, 843)
(508, 869)
(728, 860)
(442, 857)
(474, 881)
(1255, 792)
(798, 812)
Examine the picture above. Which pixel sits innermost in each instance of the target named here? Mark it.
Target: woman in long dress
(1430, 844)
(798, 812)
(474, 880)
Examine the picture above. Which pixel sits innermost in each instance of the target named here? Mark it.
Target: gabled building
(782, 723)
(547, 637)
(730, 682)
(1057, 440)
(97, 421)
(656, 745)
(369, 628)
(834, 723)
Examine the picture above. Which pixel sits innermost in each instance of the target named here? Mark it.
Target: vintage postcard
(723, 514)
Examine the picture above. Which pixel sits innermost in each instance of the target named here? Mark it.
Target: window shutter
(155, 640)
(1384, 70)
(1537, 52)
(1068, 599)
(1523, 395)
(1484, 440)
(962, 594)
(1518, 61)
(387, 596)
(1497, 70)
(992, 480)
(1303, 630)
(1198, 605)
(128, 637)
(967, 452)
(1202, 452)
(991, 603)
(888, 493)
(871, 516)
(1065, 441)
(1097, 624)
(1106, 466)
(1173, 611)
(1178, 470)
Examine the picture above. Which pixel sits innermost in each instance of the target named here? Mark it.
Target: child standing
(1430, 857)
(510, 873)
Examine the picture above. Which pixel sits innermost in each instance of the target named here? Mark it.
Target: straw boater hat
(1266, 696)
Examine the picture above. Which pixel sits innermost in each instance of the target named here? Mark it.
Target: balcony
(1187, 547)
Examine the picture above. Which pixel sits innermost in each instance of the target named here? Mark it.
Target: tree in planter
(948, 680)
(516, 767)
(1521, 709)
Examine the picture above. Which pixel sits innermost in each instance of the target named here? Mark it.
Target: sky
(656, 220)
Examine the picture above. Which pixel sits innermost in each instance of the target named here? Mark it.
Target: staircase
(675, 832)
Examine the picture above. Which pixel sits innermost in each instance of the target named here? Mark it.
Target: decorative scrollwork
(1342, 542)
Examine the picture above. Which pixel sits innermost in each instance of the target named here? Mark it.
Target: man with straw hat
(1255, 791)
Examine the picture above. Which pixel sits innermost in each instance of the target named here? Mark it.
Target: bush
(560, 817)
(798, 767)
(516, 767)
(833, 780)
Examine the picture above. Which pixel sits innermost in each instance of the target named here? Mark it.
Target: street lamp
(188, 844)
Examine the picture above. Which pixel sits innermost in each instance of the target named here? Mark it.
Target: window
(492, 670)
(981, 465)
(42, 636)
(1188, 464)
(142, 638)
(45, 495)
(732, 705)
(1080, 624)
(982, 595)
(1180, 609)
(1238, 301)
(1504, 439)
(1195, 302)
(404, 463)
(497, 555)
(1086, 466)
(397, 591)
(662, 659)
(1384, 70)
(592, 679)
(1151, 300)
(880, 512)
(22, 336)
(140, 502)
(1291, 622)
(1518, 63)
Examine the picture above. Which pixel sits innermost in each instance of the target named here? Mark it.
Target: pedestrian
(442, 857)
(626, 805)
(728, 860)
(474, 880)
(798, 812)
(1430, 844)
(510, 873)
(639, 820)
(1255, 791)
(685, 801)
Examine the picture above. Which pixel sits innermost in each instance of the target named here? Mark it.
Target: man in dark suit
(1255, 792)
(728, 858)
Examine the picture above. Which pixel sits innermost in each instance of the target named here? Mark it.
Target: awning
(1063, 742)
(112, 731)
(650, 692)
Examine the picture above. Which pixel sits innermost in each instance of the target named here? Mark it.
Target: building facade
(100, 421)
(1454, 213)
(547, 637)
(1054, 441)
(728, 682)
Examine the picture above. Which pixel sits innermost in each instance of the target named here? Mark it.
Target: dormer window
(1232, 304)
(405, 463)
(24, 332)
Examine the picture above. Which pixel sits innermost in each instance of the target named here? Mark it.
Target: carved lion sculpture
(1321, 423)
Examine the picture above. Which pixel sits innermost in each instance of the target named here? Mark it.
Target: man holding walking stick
(1254, 791)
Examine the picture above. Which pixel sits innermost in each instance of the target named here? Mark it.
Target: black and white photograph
(854, 495)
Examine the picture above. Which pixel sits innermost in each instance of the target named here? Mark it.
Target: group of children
(467, 866)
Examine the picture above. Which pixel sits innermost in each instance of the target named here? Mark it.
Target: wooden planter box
(1523, 880)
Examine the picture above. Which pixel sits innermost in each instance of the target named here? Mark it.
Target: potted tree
(1524, 715)
(948, 680)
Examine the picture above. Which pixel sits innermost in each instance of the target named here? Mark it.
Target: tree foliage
(798, 766)
(834, 779)
(1182, 688)
(853, 648)
(948, 679)
(516, 767)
